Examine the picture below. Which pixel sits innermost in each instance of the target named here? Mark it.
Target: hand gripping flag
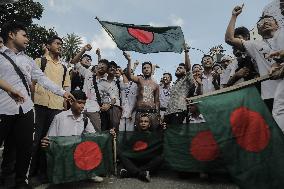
(251, 143)
(76, 158)
(144, 38)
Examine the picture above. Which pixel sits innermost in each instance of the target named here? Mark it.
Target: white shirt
(207, 85)
(258, 50)
(31, 71)
(273, 9)
(164, 96)
(105, 88)
(129, 98)
(228, 72)
(65, 124)
(199, 119)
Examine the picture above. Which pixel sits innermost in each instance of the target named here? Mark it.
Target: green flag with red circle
(145, 38)
(250, 142)
(192, 148)
(140, 145)
(75, 158)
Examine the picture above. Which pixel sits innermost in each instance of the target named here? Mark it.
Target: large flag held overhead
(250, 142)
(76, 158)
(144, 38)
(192, 148)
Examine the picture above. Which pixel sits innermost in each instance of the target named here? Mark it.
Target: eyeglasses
(263, 20)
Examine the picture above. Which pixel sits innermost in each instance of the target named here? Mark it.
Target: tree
(71, 46)
(38, 36)
(25, 11)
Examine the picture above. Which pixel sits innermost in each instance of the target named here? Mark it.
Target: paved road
(165, 180)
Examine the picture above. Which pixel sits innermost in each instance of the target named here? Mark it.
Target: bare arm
(98, 52)
(186, 58)
(129, 73)
(230, 32)
(78, 56)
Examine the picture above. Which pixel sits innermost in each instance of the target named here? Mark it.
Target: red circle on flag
(204, 147)
(250, 129)
(142, 36)
(88, 155)
(140, 146)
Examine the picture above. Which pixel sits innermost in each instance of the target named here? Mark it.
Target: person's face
(193, 108)
(147, 70)
(20, 39)
(118, 72)
(267, 26)
(86, 61)
(55, 47)
(1, 42)
(197, 73)
(112, 70)
(217, 69)
(102, 68)
(180, 71)
(196, 68)
(166, 79)
(207, 62)
(225, 63)
(246, 38)
(78, 106)
(144, 123)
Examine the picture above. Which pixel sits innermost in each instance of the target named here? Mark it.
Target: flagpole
(114, 156)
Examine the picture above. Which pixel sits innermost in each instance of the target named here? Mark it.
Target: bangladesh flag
(144, 38)
(140, 145)
(192, 148)
(250, 142)
(75, 158)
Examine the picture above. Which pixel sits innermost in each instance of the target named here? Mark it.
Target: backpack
(43, 63)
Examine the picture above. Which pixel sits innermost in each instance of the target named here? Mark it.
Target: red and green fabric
(250, 142)
(192, 148)
(140, 145)
(144, 38)
(76, 158)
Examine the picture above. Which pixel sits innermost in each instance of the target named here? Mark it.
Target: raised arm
(98, 52)
(230, 32)
(186, 58)
(78, 56)
(129, 73)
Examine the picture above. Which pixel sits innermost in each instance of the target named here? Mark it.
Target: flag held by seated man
(144, 38)
(250, 142)
(75, 158)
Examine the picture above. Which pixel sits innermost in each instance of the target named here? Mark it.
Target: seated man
(141, 168)
(71, 122)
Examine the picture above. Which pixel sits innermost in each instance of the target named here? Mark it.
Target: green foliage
(71, 46)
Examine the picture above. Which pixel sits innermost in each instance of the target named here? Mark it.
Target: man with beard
(47, 104)
(210, 78)
(147, 93)
(182, 88)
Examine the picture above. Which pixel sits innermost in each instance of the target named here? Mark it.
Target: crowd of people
(41, 98)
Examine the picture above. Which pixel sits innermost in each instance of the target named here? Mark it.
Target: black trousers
(44, 117)
(17, 133)
(111, 118)
(136, 167)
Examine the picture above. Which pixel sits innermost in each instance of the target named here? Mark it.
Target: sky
(203, 23)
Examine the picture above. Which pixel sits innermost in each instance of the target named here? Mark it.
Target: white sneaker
(97, 179)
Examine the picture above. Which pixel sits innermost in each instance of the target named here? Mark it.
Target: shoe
(123, 173)
(144, 176)
(97, 179)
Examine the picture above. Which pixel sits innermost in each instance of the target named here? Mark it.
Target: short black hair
(242, 31)
(194, 65)
(167, 73)
(206, 55)
(12, 26)
(267, 16)
(216, 64)
(104, 61)
(52, 39)
(182, 64)
(144, 63)
(86, 55)
(112, 63)
(79, 95)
